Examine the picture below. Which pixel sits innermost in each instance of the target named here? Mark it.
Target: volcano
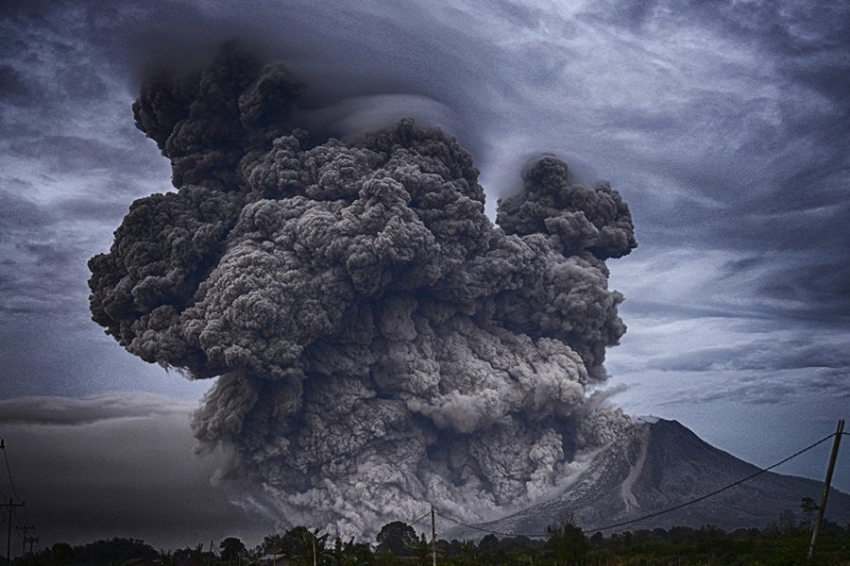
(660, 464)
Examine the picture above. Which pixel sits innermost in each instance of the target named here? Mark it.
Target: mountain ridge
(662, 464)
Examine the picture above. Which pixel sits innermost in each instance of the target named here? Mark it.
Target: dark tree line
(784, 543)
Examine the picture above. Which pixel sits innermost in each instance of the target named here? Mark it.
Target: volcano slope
(662, 464)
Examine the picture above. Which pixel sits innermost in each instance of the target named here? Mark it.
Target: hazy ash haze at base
(723, 125)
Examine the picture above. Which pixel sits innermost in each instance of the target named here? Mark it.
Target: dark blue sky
(722, 124)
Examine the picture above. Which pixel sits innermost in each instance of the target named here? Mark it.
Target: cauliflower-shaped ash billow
(379, 344)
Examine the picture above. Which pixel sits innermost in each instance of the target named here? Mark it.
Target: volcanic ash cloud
(380, 344)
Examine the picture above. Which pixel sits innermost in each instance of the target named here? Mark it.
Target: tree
(784, 525)
(315, 546)
(61, 553)
(397, 538)
(352, 554)
(271, 544)
(299, 544)
(254, 556)
(567, 541)
(167, 558)
(231, 549)
(488, 547)
(468, 552)
(192, 556)
(422, 550)
(809, 508)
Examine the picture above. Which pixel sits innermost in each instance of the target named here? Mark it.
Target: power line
(420, 518)
(26, 517)
(13, 509)
(27, 525)
(20, 528)
(8, 469)
(713, 493)
(11, 505)
(657, 513)
(3, 448)
(488, 530)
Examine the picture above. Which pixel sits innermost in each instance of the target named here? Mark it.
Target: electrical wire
(9, 473)
(3, 448)
(420, 518)
(17, 524)
(713, 493)
(483, 530)
(14, 490)
(657, 513)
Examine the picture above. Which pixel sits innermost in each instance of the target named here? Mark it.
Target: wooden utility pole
(32, 540)
(433, 538)
(11, 507)
(24, 537)
(836, 443)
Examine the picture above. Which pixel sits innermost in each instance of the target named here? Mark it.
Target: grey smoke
(380, 344)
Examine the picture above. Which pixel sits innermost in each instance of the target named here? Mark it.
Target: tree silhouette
(566, 540)
(397, 538)
(810, 508)
(61, 553)
(231, 549)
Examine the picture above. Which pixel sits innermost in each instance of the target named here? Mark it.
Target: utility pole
(836, 443)
(32, 540)
(433, 538)
(24, 537)
(11, 507)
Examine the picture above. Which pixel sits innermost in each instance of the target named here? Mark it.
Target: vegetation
(785, 543)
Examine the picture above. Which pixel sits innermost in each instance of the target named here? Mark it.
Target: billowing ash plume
(380, 344)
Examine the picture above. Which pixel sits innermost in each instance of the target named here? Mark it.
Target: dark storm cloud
(83, 209)
(762, 354)
(818, 291)
(774, 183)
(806, 284)
(18, 212)
(78, 60)
(71, 155)
(13, 87)
(779, 388)
(760, 393)
(65, 166)
(38, 265)
(793, 28)
(519, 14)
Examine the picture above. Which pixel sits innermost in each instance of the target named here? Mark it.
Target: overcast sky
(724, 125)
